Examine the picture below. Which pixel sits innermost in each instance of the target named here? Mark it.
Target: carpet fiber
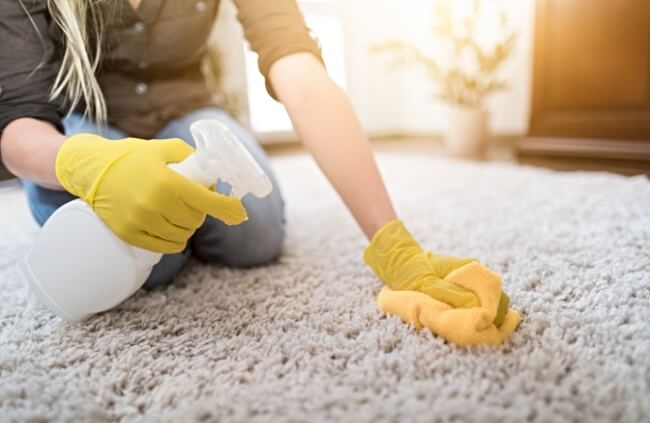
(302, 340)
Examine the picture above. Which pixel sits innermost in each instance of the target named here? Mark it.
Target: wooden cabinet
(591, 86)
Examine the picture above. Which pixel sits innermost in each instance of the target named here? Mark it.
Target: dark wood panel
(592, 69)
(621, 156)
(599, 54)
(628, 168)
(591, 86)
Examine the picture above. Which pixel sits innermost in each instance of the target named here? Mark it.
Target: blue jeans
(255, 242)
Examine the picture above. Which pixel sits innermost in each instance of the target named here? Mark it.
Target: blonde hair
(81, 24)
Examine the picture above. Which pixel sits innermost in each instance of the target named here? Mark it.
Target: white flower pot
(466, 131)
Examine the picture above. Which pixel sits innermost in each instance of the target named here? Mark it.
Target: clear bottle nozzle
(221, 155)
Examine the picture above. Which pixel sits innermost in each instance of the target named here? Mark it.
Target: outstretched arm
(325, 121)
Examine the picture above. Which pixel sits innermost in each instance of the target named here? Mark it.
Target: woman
(130, 71)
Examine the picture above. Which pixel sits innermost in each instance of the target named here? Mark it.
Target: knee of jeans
(256, 242)
(166, 270)
(257, 253)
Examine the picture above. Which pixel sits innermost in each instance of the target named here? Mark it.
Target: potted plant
(463, 69)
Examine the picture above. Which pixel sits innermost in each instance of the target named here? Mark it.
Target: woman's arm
(29, 63)
(327, 124)
(29, 148)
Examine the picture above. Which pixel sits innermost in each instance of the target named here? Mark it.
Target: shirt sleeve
(274, 29)
(29, 63)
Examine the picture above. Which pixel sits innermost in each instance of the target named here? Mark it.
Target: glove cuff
(72, 165)
(64, 167)
(392, 239)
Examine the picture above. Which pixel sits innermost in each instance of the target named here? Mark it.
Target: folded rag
(462, 326)
(458, 299)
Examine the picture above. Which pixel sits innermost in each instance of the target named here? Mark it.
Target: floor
(497, 150)
(302, 339)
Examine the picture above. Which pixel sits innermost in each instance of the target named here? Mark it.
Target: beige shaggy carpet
(302, 340)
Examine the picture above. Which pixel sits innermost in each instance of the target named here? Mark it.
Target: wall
(401, 100)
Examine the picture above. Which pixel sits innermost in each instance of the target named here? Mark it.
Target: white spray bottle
(79, 267)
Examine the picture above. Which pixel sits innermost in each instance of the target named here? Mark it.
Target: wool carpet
(303, 340)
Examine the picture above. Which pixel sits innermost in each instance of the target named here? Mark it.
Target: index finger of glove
(183, 215)
(229, 210)
(444, 265)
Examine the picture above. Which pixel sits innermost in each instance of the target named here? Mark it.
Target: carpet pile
(302, 339)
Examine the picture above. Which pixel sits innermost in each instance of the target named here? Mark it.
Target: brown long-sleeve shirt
(151, 67)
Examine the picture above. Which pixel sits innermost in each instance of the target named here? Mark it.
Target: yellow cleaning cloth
(462, 326)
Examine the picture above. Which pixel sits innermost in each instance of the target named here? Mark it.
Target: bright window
(269, 116)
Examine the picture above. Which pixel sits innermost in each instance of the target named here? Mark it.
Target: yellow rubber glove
(399, 261)
(129, 186)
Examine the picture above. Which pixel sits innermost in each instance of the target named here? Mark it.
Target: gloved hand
(399, 261)
(129, 186)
